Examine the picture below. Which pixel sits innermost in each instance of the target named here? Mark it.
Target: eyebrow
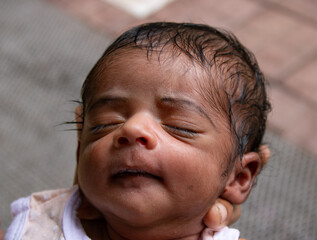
(106, 100)
(180, 102)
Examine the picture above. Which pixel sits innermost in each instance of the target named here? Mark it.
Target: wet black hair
(236, 85)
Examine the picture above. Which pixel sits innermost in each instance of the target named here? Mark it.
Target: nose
(139, 129)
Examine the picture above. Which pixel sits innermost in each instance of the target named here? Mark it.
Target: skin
(221, 213)
(147, 119)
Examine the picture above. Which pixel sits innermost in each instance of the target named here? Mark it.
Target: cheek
(92, 164)
(198, 176)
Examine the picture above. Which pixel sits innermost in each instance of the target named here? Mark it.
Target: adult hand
(223, 213)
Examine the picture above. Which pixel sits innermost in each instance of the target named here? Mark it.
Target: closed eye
(182, 132)
(103, 127)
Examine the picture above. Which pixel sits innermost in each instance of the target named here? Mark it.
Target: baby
(172, 117)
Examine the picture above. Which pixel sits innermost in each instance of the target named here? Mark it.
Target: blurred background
(47, 48)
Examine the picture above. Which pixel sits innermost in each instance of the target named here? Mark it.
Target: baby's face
(151, 150)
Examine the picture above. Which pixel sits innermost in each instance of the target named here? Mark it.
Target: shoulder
(39, 213)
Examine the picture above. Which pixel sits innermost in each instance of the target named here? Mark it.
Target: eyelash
(183, 132)
(99, 128)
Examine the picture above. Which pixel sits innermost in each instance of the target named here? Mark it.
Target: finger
(264, 153)
(235, 214)
(221, 214)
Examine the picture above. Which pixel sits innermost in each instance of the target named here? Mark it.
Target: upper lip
(135, 163)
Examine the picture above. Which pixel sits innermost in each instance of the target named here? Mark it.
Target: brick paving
(282, 34)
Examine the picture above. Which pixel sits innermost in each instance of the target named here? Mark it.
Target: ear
(79, 126)
(242, 178)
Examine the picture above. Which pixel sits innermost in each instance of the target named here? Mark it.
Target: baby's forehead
(175, 68)
(206, 78)
(214, 66)
(165, 65)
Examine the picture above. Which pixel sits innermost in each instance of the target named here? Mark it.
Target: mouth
(126, 173)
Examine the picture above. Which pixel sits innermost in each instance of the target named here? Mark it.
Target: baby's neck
(99, 227)
(100, 230)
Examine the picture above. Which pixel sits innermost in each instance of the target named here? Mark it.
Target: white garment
(224, 234)
(47, 215)
(52, 215)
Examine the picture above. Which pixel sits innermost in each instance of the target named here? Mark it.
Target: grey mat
(283, 203)
(44, 58)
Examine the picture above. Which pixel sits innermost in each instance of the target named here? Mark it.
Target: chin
(136, 214)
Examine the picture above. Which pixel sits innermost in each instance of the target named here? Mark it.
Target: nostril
(142, 140)
(123, 141)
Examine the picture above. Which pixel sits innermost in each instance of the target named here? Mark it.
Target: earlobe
(242, 178)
